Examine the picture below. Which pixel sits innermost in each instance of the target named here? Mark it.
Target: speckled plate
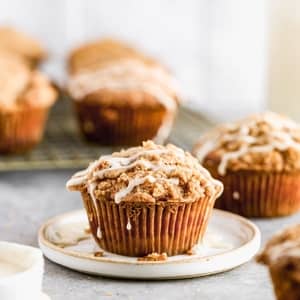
(230, 241)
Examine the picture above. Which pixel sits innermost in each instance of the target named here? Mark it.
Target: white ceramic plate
(45, 297)
(230, 241)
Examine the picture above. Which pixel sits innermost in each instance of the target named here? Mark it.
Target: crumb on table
(154, 257)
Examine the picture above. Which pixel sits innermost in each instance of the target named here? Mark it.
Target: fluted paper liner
(284, 287)
(260, 194)
(173, 228)
(118, 125)
(21, 129)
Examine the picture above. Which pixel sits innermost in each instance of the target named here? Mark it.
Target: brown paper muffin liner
(21, 129)
(260, 194)
(116, 125)
(284, 287)
(171, 228)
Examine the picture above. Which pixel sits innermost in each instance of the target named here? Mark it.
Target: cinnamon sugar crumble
(281, 244)
(267, 142)
(154, 257)
(99, 254)
(282, 253)
(149, 173)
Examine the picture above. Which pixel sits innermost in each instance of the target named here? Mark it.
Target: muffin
(22, 45)
(147, 199)
(25, 98)
(282, 256)
(258, 161)
(123, 100)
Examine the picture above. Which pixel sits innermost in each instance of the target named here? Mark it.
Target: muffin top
(262, 142)
(94, 55)
(282, 252)
(21, 86)
(144, 84)
(149, 173)
(21, 44)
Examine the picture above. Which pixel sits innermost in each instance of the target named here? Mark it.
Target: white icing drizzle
(119, 163)
(290, 248)
(122, 164)
(131, 185)
(138, 181)
(165, 129)
(236, 195)
(120, 75)
(280, 137)
(131, 75)
(128, 226)
(99, 232)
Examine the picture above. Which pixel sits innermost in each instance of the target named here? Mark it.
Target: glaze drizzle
(280, 137)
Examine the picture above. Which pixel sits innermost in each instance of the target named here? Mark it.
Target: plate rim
(43, 242)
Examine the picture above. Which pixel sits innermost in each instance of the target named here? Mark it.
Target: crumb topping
(124, 75)
(154, 257)
(149, 173)
(286, 242)
(267, 141)
(21, 86)
(98, 254)
(283, 252)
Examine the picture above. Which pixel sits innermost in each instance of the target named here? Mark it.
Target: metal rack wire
(63, 147)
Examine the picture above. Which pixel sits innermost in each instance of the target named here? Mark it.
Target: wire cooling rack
(64, 148)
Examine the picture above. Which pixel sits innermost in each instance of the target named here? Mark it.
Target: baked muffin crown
(149, 173)
(21, 86)
(262, 142)
(282, 252)
(20, 43)
(126, 75)
(93, 55)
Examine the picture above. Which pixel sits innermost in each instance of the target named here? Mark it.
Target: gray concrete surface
(29, 198)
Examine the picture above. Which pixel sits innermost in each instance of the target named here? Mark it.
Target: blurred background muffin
(282, 256)
(147, 199)
(19, 43)
(258, 160)
(25, 98)
(121, 97)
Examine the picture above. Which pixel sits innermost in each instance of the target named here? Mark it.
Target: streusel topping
(283, 252)
(266, 141)
(124, 75)
(149, 173)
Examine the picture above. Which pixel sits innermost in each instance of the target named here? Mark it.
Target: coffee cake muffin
(282, 256)
(258, 161)
(147, 199)
(22, 45)
(122, 99)
(25, 98)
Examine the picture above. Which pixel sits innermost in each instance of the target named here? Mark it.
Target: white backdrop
(217, 48)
